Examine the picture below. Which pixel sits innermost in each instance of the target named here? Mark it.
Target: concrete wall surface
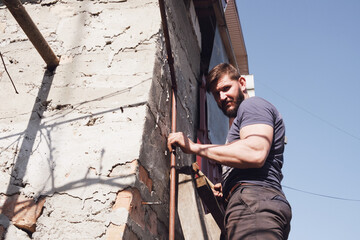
(83, 149)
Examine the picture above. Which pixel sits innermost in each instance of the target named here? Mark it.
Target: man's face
(228, 95)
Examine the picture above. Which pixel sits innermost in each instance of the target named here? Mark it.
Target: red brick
(115, 232)
(137, 212)
(123, 199)
(144, 177)
(22, 211)
(131, 200)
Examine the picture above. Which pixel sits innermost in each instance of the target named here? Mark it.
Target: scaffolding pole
(32, 32)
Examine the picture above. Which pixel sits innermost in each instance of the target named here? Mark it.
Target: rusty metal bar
(32, 32)
(172, 206)
(172, 203)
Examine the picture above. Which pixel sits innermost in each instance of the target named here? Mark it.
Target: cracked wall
(87, 145)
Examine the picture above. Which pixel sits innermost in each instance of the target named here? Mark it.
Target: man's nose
(222, 96)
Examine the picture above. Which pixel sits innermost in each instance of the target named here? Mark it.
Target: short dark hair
(219, 71)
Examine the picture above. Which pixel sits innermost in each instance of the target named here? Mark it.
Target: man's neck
(231, 121)
(246, 96)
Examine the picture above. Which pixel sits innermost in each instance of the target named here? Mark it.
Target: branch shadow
(22, 160)
(38, 129)
(23, 2)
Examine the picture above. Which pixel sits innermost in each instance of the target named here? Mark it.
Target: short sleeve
(254, 111)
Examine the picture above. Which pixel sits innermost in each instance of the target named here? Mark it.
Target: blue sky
(305, 57)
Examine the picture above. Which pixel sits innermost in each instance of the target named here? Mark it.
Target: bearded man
(251, 159)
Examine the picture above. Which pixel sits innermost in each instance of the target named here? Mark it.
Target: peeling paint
(118, 217)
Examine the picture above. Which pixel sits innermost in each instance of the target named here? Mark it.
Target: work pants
(256, 212)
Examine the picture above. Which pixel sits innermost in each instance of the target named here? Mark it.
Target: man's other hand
(217, 190)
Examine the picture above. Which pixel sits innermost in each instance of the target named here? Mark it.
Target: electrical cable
(330, 124)
(312, 114)
(322, 195)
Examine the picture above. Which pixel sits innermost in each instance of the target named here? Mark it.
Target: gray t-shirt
(256, 110)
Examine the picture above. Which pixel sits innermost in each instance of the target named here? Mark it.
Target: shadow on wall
(36, 128)
(24, 1)
(32, 129)
(43, 130)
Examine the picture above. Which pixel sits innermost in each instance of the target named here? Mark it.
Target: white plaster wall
(64, 133)
(72, 136)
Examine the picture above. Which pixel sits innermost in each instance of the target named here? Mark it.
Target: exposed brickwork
(137, 211)
(129, 199)
(145, 178)
(115, 232)
(123, 199)
(22, 211)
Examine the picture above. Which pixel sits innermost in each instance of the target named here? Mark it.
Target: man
(252, 158)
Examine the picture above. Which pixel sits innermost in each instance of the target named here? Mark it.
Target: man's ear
(242, 82)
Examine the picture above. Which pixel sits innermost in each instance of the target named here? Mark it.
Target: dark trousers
(256, 212)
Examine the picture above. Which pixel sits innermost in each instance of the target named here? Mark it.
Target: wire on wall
(2, 59)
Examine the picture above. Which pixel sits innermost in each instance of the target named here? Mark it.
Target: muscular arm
(248, 152)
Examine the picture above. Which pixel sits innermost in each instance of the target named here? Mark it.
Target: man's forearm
(236, 154)
(249, 152)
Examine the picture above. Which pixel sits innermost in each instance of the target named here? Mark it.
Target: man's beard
(232, 112)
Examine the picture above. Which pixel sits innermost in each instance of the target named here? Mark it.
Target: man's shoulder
(255, 110)
(255, 101)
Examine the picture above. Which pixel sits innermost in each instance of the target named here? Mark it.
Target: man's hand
(179, 139)
(217, 190)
